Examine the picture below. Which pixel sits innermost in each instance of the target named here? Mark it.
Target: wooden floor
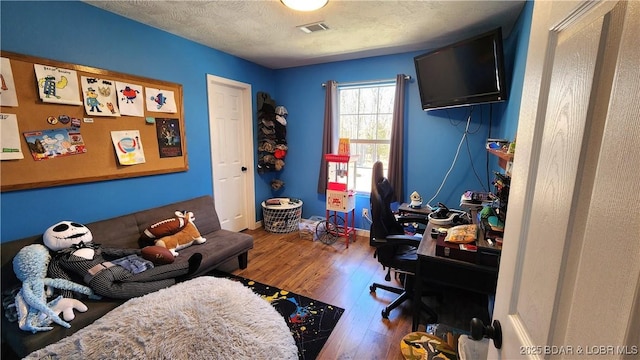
(339, 276)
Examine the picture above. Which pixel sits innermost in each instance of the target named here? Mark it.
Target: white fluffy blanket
(203, 318)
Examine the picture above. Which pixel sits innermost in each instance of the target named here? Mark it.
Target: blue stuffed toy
(34, 313)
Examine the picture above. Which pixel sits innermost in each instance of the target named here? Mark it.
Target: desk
(408, 215)
(444, 271)
(406, 209)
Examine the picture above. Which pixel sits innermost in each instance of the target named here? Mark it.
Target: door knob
(494, 331)
(244, 168)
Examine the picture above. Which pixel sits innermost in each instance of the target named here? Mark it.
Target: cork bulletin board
(97, 158)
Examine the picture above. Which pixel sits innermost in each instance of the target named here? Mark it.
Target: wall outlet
(365, 212)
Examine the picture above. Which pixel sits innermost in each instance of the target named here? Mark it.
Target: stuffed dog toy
(185, 237)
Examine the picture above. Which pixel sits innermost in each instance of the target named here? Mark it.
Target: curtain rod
(406, 77)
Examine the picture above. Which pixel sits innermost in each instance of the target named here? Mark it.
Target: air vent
(315, 27)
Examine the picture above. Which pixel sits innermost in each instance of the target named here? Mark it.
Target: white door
(231, 134)
(569, 277)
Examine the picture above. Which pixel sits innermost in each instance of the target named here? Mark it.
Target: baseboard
(363, 232)
(257, 225)
(359, 232)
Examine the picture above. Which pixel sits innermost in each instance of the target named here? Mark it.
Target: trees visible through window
(366, 114)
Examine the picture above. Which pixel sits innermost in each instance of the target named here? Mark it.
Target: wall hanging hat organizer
(272, 135)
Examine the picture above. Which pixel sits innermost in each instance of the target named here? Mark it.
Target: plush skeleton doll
(99, 267)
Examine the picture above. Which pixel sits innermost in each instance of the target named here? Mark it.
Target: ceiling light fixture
(304, 5)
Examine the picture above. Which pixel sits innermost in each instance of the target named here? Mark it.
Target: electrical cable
(469, 113)
(489, 137)
(475, 172)
(367, 218)
(474, 168)
(452, 121)
(481, 120)
(453, 163)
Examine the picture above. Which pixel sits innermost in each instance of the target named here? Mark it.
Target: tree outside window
(366, 114)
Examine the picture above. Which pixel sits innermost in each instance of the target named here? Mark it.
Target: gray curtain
(329, 135)
(396, 156)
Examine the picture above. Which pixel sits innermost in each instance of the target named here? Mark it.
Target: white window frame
(363, 173)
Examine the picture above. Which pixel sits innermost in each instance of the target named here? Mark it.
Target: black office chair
(394, 250)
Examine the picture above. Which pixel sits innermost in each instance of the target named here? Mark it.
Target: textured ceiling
(265, 31)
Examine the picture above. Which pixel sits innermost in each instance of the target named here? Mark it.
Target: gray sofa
(221, 247)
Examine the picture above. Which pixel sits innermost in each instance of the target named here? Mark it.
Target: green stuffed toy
(34, 313)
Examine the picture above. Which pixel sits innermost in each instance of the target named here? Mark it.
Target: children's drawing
(8, 95)
(48, 144)
(128, 147)
(100, 97)
(57, 85)
(9, 138)
(159, 100)
(130, 99)
(168, 131)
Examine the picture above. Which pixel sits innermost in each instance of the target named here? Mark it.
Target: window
(366, 116)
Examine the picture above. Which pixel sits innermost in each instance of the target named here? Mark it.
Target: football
(157, 255)
(164, 228)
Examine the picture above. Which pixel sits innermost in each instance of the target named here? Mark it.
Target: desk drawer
(458, 274)
(453, 251)
(488, 257)
(482, 256)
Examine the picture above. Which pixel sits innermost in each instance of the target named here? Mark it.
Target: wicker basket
(282, 217)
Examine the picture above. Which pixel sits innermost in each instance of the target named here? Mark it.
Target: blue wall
(431, 137)
(132, 48)
(516, 51)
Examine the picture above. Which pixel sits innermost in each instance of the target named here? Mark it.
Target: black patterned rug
(310, 321)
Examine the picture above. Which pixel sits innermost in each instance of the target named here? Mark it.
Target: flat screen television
(468, 72)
